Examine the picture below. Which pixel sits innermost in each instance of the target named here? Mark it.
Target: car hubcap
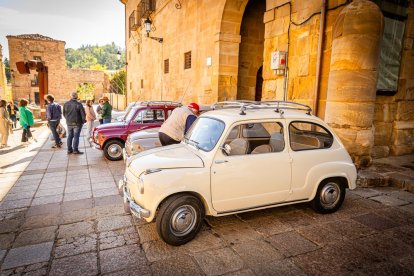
(183, 220)
(330, 195)
(115, 151)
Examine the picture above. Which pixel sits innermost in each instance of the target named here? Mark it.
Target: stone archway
(227, 44)
(251, 50)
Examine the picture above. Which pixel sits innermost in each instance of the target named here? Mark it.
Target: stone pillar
(356, 35)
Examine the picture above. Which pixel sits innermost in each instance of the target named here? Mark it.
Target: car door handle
(220, 161)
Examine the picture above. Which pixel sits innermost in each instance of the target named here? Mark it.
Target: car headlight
(95, 135)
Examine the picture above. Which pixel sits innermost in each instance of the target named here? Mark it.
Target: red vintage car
(111, 137)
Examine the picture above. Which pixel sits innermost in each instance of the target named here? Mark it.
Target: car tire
(329, 196)
(113, 150)
(179, 219)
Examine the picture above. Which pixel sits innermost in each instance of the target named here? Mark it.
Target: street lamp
(147, 25)
(118, 55)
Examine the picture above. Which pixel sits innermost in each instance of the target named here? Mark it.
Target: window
(204, 133)
(147, 7)
(308, 136)
(187, 60)
(395, 16)
(150, 116)
(166, 66)
(256, 138)
(35, 81)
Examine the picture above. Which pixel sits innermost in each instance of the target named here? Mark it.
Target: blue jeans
(53, 128)
(106, 121)
(73, 135)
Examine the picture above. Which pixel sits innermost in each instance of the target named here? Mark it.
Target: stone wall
(2, 76)
(62, 80)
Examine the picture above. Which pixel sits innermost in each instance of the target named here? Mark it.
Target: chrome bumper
(136, 210)
(124, 155)
(96, 146)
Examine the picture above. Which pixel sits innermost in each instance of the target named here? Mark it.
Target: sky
(75, 21)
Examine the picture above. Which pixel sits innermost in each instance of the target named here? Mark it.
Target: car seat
(262, 149)
(239, 146)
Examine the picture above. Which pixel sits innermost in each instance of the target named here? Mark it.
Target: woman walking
(99, 111)
(12, 109)
(5, 124)
(90, 118)
(26, 120)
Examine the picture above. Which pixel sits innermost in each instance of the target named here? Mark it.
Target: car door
(310, 146)
(247, 179)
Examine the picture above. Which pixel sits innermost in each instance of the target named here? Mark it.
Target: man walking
(106, 111)
(53, 115)
(75, 118)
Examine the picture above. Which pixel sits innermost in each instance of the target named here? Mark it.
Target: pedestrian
(26, 121)
(5, 124)
(75, 118)
(174, 128)
(99, 111)
(106, 111)
(13, 109)
(53, 116)
(90, 118)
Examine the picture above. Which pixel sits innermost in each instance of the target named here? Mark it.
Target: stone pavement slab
(30, 254)
(85, 264)
(218, 261)
(120, 258)
(389, 200)
(35, 236)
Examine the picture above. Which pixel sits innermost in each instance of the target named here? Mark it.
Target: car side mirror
(226, 149)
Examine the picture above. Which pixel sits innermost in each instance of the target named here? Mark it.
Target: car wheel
(113, 150)
(180, 219)
(329, 197)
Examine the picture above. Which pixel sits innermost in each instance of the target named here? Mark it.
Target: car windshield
(205, 133)
(129, 115)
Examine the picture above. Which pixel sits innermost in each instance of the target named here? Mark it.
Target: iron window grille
(187, 60)
(166, 66)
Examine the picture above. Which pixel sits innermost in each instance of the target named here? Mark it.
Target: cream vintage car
(241, 157)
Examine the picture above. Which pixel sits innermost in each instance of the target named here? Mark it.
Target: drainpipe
(319, 58)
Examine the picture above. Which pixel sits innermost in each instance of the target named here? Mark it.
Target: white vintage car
(242, 157)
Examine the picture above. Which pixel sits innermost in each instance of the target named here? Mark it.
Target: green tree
(86, 91)
(118, 82)
(88, 56)
(7, 69)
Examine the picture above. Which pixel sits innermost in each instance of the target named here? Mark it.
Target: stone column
(352, 84)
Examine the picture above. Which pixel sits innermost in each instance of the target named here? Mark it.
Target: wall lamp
(147, 25)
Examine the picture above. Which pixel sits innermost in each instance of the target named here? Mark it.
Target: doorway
(251, 48)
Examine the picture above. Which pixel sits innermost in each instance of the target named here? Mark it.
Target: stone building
(61, 79)
(2, 76)
(352, 61)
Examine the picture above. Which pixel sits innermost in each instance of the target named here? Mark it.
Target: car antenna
(185, 92)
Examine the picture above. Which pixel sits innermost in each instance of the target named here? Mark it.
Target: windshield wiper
(194, 143)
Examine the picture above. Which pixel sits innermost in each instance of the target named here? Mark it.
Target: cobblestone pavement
(63, 216)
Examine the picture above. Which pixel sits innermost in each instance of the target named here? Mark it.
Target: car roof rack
(152, 103)
(278, 106)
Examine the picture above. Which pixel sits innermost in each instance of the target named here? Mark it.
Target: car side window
(150, 116)
(256, 138)
(309, 136)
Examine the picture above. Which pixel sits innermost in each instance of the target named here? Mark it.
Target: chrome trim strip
(263, 206)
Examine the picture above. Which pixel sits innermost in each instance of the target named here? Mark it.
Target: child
(26, 121)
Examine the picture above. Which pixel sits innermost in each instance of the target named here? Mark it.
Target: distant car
(242, 158)
(111, 137)
(146, 139)
(122, 115)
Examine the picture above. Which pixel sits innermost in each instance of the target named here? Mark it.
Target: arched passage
(251, 50)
